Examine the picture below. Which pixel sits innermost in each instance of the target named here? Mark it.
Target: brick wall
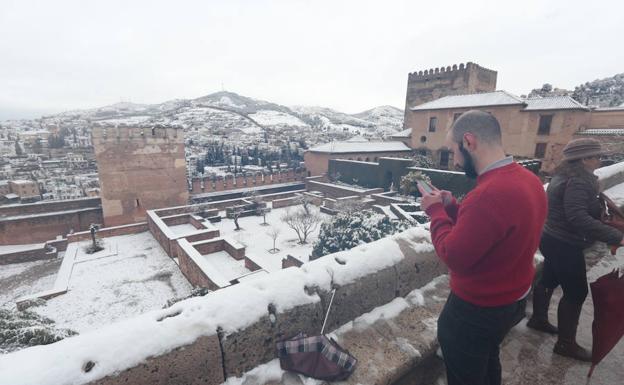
(42, 227)
(230, 182)
(107, 232)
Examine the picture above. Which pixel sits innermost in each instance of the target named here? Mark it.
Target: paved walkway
(527, 356)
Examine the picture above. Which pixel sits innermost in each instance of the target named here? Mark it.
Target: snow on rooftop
(496, 98)
(601, 131)
(357, 147)
(403, 134)
(553, 103)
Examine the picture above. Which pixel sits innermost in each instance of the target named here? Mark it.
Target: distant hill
(607, 92)
(224, 110)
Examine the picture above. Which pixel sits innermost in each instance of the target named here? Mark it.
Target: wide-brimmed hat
(582, 148)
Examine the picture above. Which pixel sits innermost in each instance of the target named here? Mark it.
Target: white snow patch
(608, 171)
(276, 118)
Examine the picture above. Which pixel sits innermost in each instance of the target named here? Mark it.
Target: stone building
(25, 189)
(532, 127)
(317, 158)
(428, 85)
(140, 168)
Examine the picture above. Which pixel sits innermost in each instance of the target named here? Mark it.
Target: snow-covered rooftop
(502, 98)
(602, 131)
(496, 98)
(553, 103)
(403, 134)
(356, 147)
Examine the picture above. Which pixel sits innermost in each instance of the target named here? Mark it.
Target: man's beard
(468, 167)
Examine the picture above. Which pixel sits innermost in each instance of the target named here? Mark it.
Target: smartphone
(425, 186)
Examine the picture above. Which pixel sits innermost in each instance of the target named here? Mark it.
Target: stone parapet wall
(45, 207)
(338, 191)
(107, 232)
(201, 185)
(221, 339)
(40, 227)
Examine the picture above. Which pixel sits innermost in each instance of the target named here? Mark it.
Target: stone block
(359, 297)
(416, 269)
(198, 363)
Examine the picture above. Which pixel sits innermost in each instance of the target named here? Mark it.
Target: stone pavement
(527, 357)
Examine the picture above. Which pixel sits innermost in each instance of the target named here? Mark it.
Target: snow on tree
(302, 222)
(20, 329)
(409, 182)
(348, 230)
(274, 232)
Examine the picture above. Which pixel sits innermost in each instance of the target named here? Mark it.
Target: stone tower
(427, 85)
(140, 168)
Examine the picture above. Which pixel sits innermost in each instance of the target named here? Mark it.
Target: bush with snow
(20, 329)
(348, 230)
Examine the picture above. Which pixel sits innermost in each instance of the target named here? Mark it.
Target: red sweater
(488, 242)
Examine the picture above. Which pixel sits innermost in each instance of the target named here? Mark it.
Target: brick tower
(424, 86)
(140, 168)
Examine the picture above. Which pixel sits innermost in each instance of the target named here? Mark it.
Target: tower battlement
(430, 84)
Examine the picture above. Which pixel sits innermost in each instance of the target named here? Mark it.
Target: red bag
(608, 326)
(611, 215)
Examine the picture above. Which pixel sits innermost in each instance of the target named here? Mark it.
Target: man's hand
(447, 197)
(427, 200)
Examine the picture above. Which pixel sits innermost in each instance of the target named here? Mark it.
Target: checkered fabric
(328, 348)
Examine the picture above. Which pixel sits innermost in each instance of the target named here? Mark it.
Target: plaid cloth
(301, 343)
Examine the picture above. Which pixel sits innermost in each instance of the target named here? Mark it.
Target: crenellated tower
(140, 168)
(431, 84)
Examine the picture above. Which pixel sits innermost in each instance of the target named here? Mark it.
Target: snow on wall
(610, 176)
(125, 344)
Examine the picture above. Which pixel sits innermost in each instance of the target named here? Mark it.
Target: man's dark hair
(481, 124)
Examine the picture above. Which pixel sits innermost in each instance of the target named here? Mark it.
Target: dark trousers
(470, 338)
(564, 264)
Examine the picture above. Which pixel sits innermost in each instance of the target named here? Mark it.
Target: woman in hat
(573, 224)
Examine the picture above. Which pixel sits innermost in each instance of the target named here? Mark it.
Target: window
(540, 150)
(444, 158)
(423, 139)
(433, 122)
(456, 115)
(137, 203)
(544, 125)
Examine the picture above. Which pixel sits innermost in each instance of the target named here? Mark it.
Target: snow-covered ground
(276, 118)
(258, 243)
(131, 276)
(21, 279)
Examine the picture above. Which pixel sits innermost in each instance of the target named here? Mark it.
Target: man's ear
(470, 141)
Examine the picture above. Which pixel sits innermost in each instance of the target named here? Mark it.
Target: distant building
(317, 158)
(531, 127)
(26, 190)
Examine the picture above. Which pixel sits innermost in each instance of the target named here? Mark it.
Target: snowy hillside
(227, 112)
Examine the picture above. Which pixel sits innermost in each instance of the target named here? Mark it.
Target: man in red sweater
(488, 243)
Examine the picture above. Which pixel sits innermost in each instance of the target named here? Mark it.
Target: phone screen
(425, 186)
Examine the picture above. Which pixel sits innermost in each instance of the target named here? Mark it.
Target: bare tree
(274, 232)
(305, 201)
(264, 211)
(236, 212)
(302, 222)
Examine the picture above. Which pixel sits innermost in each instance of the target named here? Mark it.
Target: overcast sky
(348, 55)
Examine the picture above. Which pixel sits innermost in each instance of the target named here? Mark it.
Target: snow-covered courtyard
(130, 276)
(254, 236)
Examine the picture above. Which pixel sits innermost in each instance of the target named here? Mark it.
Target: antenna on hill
(222, 87)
